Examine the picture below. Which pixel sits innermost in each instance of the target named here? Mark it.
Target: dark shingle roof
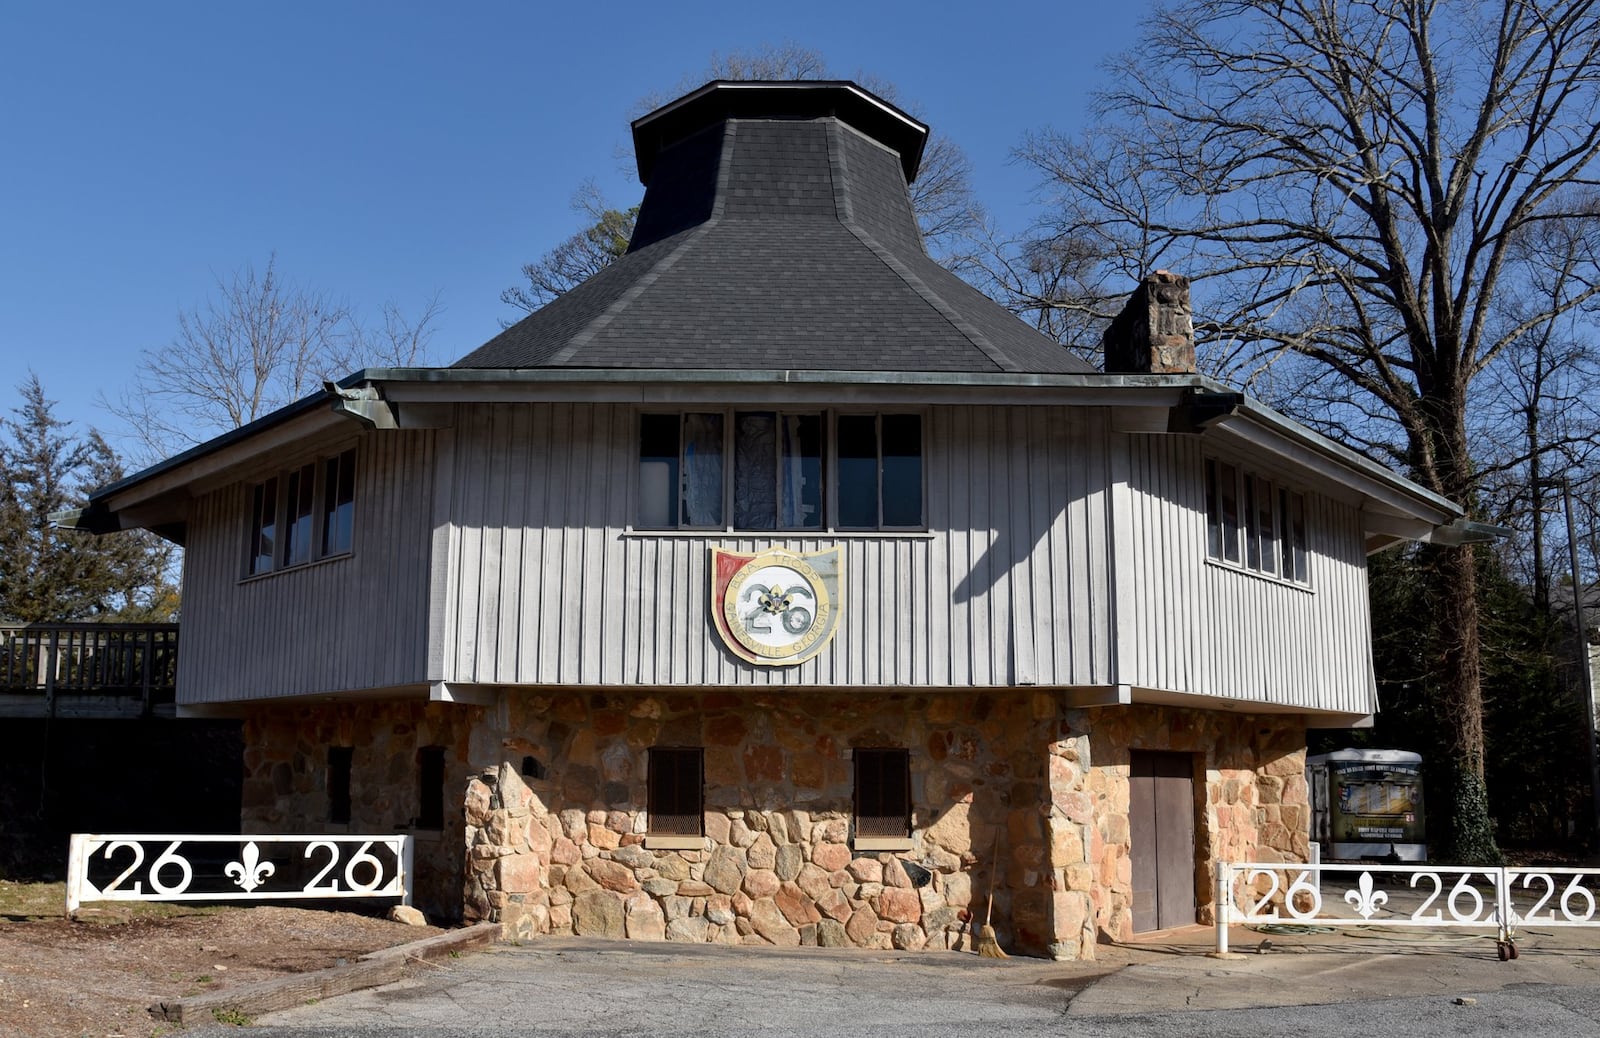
(784, 241)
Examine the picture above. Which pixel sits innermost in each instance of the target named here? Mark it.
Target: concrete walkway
(1173, 973)
(1432, 984)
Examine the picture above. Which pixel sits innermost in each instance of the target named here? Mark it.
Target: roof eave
(466, 384)
(1429, 505)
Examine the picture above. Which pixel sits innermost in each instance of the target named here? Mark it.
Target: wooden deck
(88, 670)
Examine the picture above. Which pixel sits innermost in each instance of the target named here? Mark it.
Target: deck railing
(89, 669)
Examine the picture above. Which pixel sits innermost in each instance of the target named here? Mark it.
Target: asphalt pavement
(1366, 982)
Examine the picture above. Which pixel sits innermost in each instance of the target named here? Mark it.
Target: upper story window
(302, 515)
(774, 470)
(1254, 524)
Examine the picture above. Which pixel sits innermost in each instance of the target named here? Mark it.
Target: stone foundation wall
(567, 853)
(1009, 789)
(1012, 790)
(285, 786)
(1251, 804)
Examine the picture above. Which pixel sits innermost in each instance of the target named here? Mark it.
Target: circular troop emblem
(777, 608)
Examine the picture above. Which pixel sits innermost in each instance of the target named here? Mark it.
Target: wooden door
(1161, 829)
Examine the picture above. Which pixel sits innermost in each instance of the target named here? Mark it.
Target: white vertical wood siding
(544, 585)
(1218, 630)
(358, 621)
(497, 552)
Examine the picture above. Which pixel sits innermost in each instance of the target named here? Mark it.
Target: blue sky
(401, 150)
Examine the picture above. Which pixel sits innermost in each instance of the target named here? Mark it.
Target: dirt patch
(98, 976)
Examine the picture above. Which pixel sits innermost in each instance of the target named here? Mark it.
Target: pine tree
(51, 575)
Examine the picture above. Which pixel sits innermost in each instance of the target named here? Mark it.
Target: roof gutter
(1465, 531)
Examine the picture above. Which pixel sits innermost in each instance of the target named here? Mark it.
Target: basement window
(430, 787)
(340, 759)
(882, 799)
(675, 801)
(774, 470)
(1255, 524)
(302, 514)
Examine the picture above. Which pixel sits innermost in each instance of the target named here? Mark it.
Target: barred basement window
(298, 517)
(1254, 524)
(883, 793)
(676, 798)
(340, 759)
(430, 787)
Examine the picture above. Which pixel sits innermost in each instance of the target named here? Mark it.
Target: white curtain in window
(702, 470)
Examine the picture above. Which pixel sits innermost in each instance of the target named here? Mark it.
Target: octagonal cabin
(776, 586)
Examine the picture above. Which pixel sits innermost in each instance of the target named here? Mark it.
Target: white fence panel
(174, 867)
(1405, 896)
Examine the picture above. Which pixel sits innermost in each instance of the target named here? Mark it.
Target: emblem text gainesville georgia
(777, 608)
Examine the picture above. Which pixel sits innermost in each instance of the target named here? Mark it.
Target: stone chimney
(1154, 333)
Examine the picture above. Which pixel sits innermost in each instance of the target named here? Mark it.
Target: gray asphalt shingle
(776, 243)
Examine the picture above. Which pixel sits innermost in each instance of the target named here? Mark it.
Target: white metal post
(1503, 907)
(1224, 904)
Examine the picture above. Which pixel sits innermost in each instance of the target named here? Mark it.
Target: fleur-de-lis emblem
(1366, 900)
(773, 599)
(252, 871)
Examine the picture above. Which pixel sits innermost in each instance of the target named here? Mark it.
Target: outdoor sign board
(777, 608)
(178, 867)
(1368, 804)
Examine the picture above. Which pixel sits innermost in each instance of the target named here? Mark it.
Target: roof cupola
(776, 232)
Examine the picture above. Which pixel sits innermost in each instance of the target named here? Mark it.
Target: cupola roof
(776, 232)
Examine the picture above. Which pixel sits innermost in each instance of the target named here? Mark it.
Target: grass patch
(32, 900)
(22, 902)
(230, 1016)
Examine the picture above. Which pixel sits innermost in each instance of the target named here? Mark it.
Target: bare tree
(1058, 284)
(601, 243)
(947, 210)
(398, 340)
(1349, 178)
(1539, 418)
(255, 345)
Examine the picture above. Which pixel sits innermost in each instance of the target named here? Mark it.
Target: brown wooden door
(1161, 829)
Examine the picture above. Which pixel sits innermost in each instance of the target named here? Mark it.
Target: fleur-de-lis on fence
(1366, 900)
(252, 871)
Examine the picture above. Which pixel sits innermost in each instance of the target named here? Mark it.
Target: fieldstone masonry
(1013, 791)
(1154, 333)
(1010, 789)
(285, 786)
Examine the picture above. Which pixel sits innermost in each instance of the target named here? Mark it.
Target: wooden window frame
(830, 493)
(1266, 533)
(283, 512)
